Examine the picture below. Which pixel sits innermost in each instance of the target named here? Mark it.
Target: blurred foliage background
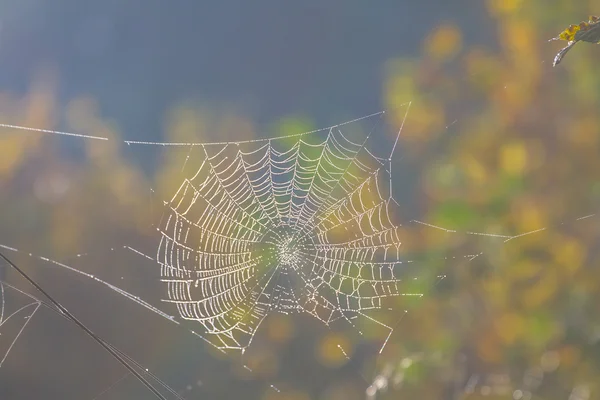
(521, 145)
(496, 141)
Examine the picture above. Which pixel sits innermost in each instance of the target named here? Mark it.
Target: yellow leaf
(571, 33)
(500, 7)
(444, 42)
(509, 327)
(569, 253)
(513, 158)
(475, 170)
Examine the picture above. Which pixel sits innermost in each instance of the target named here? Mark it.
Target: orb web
(295, 224)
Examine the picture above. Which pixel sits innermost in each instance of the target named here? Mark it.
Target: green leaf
(454, 214)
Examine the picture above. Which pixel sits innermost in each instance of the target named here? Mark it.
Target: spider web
(295, 224)
(16, 310)
(300, 223)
